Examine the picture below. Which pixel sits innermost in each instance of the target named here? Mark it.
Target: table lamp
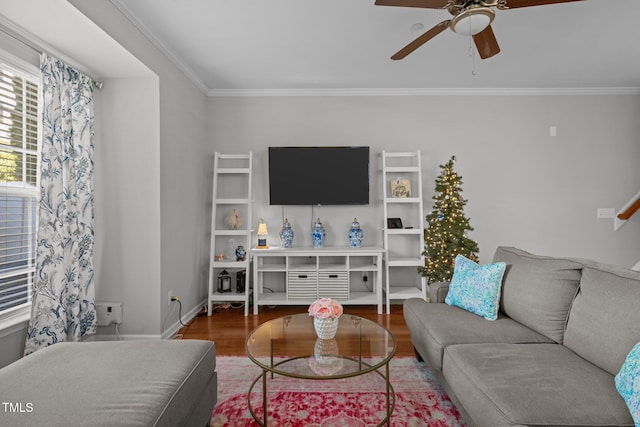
(262, 235)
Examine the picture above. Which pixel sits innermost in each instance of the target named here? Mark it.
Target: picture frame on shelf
(400, 187)
(394, 223)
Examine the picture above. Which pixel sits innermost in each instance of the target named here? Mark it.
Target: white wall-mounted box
(109, 313)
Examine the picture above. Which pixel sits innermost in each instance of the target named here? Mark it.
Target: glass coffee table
(288, 346)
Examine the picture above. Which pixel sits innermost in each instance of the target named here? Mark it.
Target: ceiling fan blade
(513, 4)
(429, 4)
(486, 43)
(434, 31)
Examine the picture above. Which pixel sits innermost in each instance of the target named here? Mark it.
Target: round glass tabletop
(289, 346)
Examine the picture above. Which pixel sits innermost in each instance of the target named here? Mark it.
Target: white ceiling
(323, 45)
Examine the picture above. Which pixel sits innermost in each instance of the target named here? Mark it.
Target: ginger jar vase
(286, 234)
(355, 234)
(318, 234)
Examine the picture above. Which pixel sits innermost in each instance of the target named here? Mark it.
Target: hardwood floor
(229, 327)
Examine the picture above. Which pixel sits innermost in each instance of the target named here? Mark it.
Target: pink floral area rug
(350, 402)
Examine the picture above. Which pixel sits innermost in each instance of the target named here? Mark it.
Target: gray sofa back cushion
(537, 291)
(604, 322)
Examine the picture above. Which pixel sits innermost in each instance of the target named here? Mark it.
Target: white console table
(309, 273)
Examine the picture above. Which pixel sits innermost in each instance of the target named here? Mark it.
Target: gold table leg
(264, 396)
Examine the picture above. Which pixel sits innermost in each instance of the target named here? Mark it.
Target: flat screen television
(319, 175)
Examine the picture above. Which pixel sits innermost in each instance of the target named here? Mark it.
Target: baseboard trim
(172, 330)
(168, 333)
(121, 337)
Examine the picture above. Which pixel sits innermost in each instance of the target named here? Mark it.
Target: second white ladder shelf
(404, 244)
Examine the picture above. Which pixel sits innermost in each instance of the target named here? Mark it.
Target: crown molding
(427, 91)
(173, 57)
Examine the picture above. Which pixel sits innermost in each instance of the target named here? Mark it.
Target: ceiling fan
(470, 18)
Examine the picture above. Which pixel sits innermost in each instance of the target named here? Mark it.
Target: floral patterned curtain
(63, 304)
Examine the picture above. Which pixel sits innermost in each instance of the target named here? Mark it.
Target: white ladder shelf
(403, 246)
(232, 178)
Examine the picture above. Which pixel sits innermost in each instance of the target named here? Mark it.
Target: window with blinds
(18, 178)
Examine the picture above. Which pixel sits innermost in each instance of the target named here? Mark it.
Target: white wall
(524, 188)
(184, 174)
(12, 342)
(127, 201)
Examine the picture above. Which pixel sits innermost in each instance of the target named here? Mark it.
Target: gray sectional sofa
(169, 383)
(564, 329)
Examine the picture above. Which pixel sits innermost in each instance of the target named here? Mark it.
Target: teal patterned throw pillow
(628, 383)
(476, 288)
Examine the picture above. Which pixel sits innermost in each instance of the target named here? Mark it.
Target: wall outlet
(169, 297)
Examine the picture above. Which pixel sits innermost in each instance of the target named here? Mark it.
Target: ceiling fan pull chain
(472, 54)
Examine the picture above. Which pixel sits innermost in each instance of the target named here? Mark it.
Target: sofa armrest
(438, 291)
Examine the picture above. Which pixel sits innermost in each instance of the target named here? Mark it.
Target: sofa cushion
(435, 326)
(476, 288)
(532, 384)
(537, 291)
(604, 318)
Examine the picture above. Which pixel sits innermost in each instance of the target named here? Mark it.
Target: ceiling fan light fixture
(472, 21)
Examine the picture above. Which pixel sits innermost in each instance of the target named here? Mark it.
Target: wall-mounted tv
(319, 175)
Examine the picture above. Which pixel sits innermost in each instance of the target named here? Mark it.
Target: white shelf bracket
(617, 222)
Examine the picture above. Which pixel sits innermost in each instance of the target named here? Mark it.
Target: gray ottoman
(124, 383)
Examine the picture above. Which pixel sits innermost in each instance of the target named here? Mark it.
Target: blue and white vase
(241, 253)
(318, 234)
(355, 234)
(286, 234)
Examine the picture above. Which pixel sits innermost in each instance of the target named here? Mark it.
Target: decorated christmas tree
(446, 234)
